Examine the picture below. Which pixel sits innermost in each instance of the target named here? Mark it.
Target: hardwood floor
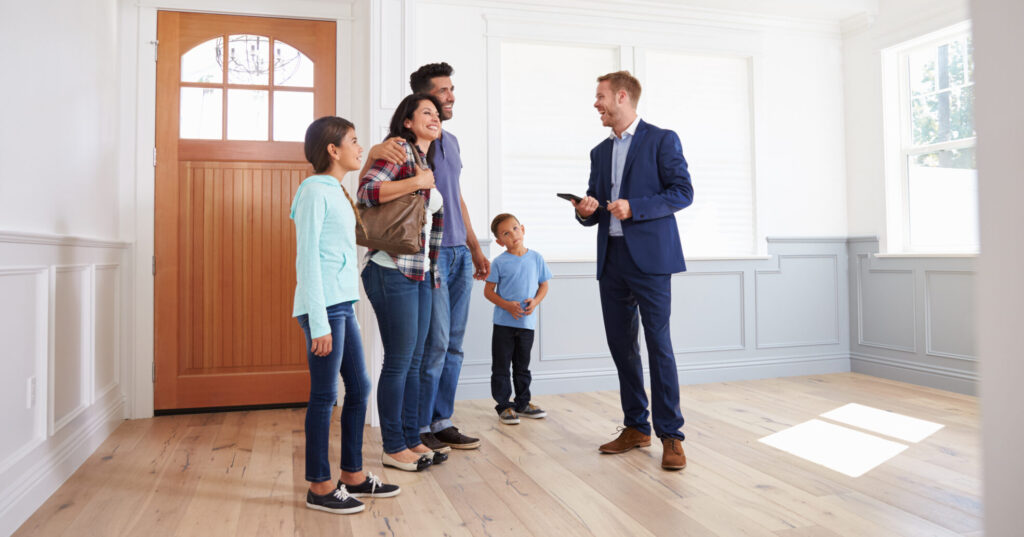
(241, 473)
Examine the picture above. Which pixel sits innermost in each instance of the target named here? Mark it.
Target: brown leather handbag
(396, 226)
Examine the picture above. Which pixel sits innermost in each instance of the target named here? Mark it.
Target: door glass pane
(943, 195)
(203, 62)
(248, 59)
(291, 67)
(293, 112)
(201, 113)
(247, 114)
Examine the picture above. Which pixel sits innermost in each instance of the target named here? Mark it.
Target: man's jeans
(346, 357)
(442, 358)
(402, 307)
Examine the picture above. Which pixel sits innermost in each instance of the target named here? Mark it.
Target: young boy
(517, 284)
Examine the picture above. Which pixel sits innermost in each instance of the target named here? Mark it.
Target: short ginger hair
(622, 80)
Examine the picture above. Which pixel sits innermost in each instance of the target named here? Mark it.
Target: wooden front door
(234, 97)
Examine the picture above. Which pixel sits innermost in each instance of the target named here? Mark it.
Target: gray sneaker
(533, 411)
(508, 417)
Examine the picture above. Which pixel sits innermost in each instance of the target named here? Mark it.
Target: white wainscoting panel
(106, 367)
(887, 313)
(808, 287)
(23, 330)
(72, 375)
(949, 314)
(61, 327)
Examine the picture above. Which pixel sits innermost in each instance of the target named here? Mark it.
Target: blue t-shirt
(518, 279)
(447, 169)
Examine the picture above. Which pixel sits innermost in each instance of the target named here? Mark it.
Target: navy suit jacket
(656, 182)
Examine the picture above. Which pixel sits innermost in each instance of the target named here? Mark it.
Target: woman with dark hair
(326, 287)
(399, 286)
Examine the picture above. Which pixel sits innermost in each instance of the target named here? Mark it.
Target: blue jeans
(402, 307)
(346, 357)
(442, 361)
(629, 297)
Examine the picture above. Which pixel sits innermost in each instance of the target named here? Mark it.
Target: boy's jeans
(346, 357)
(510, 346)
(442, 359)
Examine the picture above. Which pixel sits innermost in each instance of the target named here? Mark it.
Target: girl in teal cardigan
(327, 284)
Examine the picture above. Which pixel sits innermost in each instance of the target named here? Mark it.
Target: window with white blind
(549, 126)
(706, 101)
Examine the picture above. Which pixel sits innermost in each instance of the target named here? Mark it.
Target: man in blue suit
(641, 173)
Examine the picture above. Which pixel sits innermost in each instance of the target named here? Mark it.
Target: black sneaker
(372, 487)
(457, 440)
(433, 443)
(532, 411)
(338, 502)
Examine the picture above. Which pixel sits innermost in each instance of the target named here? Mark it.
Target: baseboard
(932, 376)
(588, 380)
(52, 467)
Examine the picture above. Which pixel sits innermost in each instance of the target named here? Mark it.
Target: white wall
(59, 133)
(863, 40)
(998, 42)
(61, 316)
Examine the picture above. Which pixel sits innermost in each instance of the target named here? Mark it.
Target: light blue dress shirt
(620, 149)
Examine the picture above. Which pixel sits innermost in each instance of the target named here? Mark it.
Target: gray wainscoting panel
(477, 342)
(949, 314)
(914, 316)
(570, 323)
(794, 303)
(887, 307)
(707, 311)
(798, 303)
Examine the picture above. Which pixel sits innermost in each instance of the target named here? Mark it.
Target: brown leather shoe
(627, 440)
(673, 458)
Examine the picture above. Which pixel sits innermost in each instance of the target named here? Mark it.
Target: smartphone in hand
(570, 197)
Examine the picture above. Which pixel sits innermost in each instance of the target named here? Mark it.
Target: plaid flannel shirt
(410, 265)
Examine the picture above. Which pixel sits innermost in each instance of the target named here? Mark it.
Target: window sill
(898, 255)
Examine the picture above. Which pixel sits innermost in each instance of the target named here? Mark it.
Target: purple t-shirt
(447, 169)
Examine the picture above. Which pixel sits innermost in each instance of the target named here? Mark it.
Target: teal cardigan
(326, 266)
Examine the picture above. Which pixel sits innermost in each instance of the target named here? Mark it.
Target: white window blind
(706, 101)
(548, 127)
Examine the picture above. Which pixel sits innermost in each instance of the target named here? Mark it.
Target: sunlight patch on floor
(884, 422)
(844, 450)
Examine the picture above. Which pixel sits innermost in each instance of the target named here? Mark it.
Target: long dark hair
(405, 110)
(320, 134)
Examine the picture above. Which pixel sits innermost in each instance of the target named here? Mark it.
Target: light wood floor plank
(242, 474)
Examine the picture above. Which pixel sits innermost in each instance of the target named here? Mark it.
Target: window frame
(898, 136)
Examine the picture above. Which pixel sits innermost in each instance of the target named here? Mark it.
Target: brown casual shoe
(627, 440)
(673, 458)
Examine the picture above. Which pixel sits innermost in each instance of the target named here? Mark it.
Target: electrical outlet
(30, 393)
